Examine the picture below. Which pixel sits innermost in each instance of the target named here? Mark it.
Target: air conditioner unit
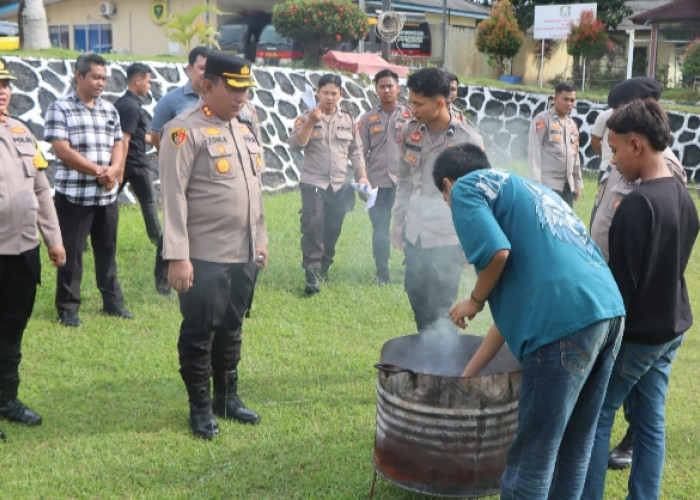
(108, 9)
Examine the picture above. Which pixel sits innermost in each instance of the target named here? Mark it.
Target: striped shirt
(91, 132)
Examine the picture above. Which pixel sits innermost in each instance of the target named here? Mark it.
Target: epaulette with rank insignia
(40, 162)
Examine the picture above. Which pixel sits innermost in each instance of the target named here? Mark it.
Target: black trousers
(212, 318)
(141, 182)
(432, 282)
(322, 215)
(142, 185)
(77, 222)
(19, 276)
(566, 194)
(380, 215)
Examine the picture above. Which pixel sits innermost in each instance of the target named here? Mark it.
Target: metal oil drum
(438, 433)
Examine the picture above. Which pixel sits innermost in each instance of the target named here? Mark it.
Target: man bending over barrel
(553, 300)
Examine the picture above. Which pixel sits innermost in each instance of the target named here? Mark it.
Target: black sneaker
(69, 318)
(621, 456)
(382, 279)
(118, 312)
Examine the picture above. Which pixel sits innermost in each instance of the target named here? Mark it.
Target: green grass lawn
(115, 409)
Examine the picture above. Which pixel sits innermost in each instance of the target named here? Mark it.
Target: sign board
(553, 21)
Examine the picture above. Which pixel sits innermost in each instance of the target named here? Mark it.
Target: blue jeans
(640, 374)
(561, 391)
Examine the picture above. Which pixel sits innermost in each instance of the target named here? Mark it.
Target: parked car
(9, 36)
(276, 50)
(240, 34)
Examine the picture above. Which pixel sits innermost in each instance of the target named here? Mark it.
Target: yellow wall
(526, 64)
(461, 55)
(133, 30)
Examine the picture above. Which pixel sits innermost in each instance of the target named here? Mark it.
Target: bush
(499, 36)
(319, 25)
(691, 62)
(588, 38)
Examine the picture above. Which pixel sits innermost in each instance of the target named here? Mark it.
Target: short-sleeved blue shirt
(172, 104)
(555, 281)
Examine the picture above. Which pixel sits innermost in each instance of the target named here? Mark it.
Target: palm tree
(33, 27)
(183, 27)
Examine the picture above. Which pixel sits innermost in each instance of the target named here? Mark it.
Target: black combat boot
(12, 408)
(323, 277)
(227, 404)
(202, 421)
(2, 435)
(313, 280)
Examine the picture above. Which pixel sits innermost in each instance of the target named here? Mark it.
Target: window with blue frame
(59, 35)
(93, 37)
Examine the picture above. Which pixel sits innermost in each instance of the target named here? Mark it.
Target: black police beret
(639, 87)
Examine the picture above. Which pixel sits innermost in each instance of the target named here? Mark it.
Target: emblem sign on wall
(159, 11)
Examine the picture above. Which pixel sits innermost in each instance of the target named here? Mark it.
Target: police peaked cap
(639, 87)
(4, 73)
(234, 70)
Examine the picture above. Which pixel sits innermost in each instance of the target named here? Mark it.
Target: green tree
(499, 36)
(691, 61)
(184, 27)
(319, 24)
(588, 39)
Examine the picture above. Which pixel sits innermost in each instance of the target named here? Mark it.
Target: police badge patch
(223, 165)
(178, 136)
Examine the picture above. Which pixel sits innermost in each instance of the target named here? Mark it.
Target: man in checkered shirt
(86, 136)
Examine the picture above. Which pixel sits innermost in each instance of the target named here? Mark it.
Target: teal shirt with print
(555, 281)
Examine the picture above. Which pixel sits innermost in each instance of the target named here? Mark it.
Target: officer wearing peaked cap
(214, 237)
(26, 209)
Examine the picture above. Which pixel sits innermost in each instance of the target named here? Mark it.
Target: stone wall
(503, 117)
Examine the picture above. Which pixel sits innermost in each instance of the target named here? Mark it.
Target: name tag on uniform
(217, 139)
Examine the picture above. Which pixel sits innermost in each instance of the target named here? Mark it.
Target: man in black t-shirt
(651, 239)
(136, 169)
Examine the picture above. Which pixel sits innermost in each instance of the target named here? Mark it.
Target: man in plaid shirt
(86, 136)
